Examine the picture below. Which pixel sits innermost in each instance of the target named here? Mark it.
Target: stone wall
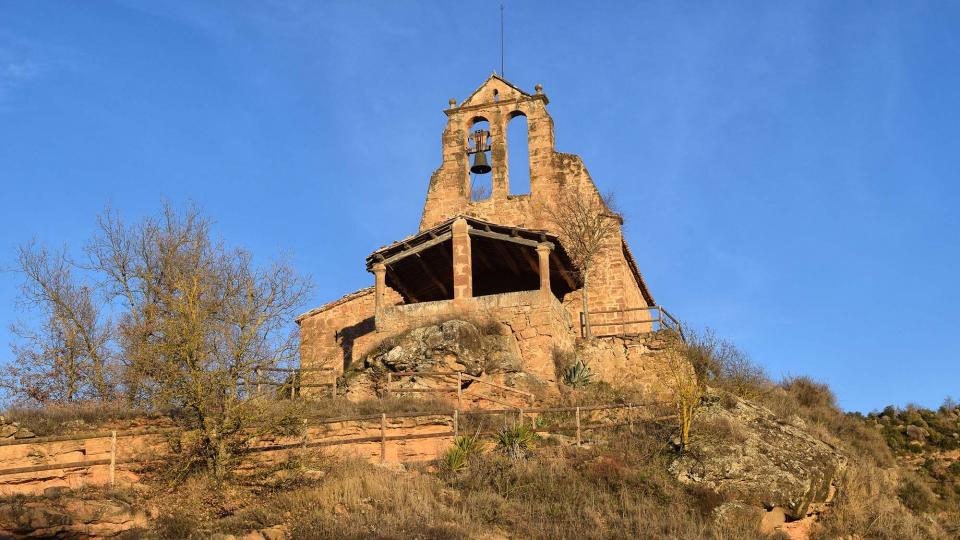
(612, 283)
(635, 362)
(338, 333)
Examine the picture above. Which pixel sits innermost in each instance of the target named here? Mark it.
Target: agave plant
(516, 441)
(577, 374)
(457, 457)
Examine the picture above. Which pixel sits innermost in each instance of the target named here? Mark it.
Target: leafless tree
(194, 322)
(69, 356)
(585, 222)
(199, 321)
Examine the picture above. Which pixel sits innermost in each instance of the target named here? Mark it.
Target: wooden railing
(642, 320)
(112, 461)
(294, 382)
(458, 387)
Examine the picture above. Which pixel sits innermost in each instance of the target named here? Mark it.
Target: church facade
(494, 254)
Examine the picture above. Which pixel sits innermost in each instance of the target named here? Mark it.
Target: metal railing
(610, 320)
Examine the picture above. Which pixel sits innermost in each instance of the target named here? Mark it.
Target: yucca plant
(577, 374)
(516, 441)
(457, 457)
(455, 460)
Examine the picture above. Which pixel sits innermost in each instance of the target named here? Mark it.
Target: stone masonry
(342, 331)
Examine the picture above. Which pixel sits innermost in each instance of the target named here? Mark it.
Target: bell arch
(518, 153)
(481, 184)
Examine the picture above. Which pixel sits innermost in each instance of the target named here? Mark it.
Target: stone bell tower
(497, 102)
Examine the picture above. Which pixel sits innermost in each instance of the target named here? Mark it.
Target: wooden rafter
(433, 277)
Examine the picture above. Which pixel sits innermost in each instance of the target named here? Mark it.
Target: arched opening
(518, 154)
(481, 185)
(496, 95)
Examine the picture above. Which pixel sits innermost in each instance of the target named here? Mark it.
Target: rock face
(68, 518)
(12, 430)
(453, 345)
(745, 452)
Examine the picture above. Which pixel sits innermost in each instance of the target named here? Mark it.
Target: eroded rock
(757, 458)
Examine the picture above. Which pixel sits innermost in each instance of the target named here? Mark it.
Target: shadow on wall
(347, 336)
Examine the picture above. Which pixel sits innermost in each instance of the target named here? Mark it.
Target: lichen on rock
(757, 458)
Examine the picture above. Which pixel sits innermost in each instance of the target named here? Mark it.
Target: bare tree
(69, 357)
(199, 321)
(585, 222)
(686, 383)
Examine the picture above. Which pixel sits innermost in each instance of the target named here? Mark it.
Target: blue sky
(788, 170)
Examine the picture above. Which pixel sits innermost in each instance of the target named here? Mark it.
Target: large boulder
(745, 452)
(450, 346)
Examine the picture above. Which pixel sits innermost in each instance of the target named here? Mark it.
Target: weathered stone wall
(612, 283)
(635, 362)
(336, 334)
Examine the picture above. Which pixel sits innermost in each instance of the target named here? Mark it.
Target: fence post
(630, 416)
(578, 427)
(257, 372)
(459, 390)
(303, 443)
(383, 437)
(113, 457)
(456, 425)
(583, 326)
(659, 319)
(520, 417)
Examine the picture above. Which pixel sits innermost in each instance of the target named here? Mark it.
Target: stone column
(462, 265)
(380, 281)
(543, 250)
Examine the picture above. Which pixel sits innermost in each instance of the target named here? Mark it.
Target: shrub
(577, 375)
(516, 441)
(464, 448)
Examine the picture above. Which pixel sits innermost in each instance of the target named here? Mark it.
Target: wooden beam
(566, 278)
(433, 277)
(507, 258)
(403, 290)
(504, 237)
(533, 263)
(417, 249)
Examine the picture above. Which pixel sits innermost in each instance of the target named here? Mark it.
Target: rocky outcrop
(68, 518)
(748, 454)
(454, 345)
(13, 430)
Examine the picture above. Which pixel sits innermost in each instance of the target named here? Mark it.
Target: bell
(480, 165)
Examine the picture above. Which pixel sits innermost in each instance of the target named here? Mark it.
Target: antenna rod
(501, 41)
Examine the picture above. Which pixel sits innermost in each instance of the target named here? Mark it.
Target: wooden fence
(458, 388)
(304, 443)
(294, 381)
(649, 319)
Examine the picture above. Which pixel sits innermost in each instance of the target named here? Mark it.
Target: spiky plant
(577, 374)
(457, 457)
(516, 441)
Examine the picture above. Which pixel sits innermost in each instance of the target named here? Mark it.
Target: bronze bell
(480, 165)
(480, 147)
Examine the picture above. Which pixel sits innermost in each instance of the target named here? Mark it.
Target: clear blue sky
(788, 170)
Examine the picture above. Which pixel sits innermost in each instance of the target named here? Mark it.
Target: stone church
(494, 255)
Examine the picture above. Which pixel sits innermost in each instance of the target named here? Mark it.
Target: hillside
(765, 460)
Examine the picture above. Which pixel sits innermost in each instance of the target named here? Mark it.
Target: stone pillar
(380, 282)
(543, 250)
(462, 265)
